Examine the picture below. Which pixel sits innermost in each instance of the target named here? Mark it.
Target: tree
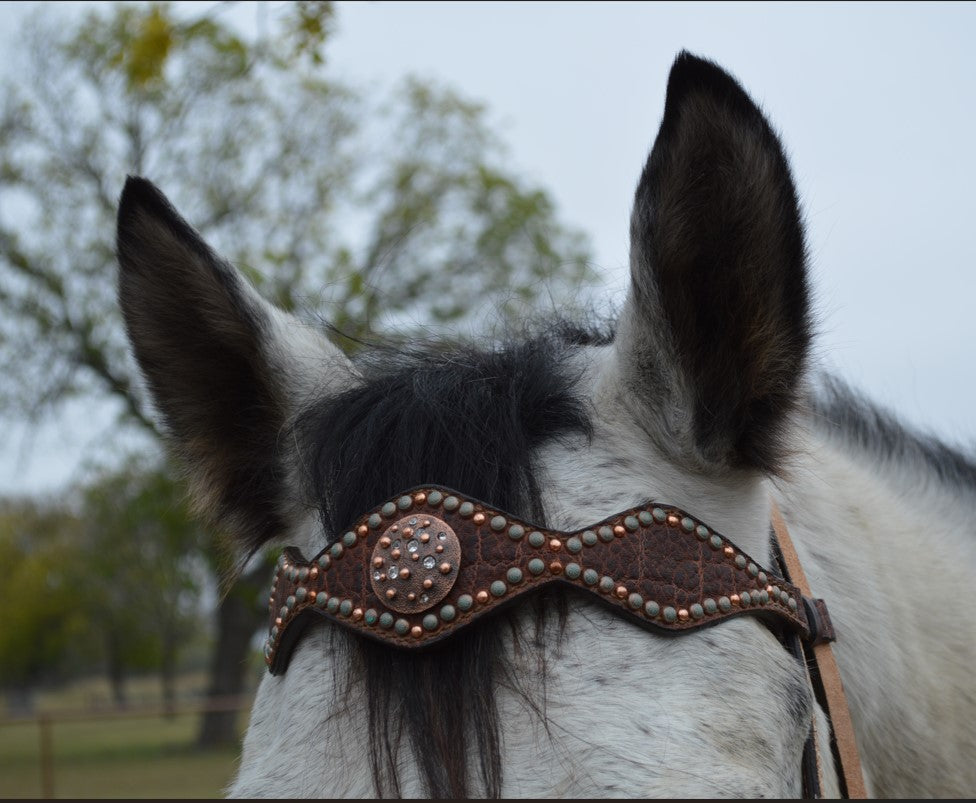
(390, 217)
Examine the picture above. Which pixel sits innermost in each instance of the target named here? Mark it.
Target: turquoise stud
(589, 538)
(515, 532)
(401, 626)
(635, 601)
(448, 613)
(669, 614)
(451, 503)
(465, 602)
(332, 605)
(336, 550)
(745, 599)
(606, 584)
(370, 617)
(300, 593)
(725, 604)
(573, 571)
(434, 498)
(405, 502)
(792, 604)
(498, 588)
(715, 542)
(375, 520)
(590, 577)
(325, 561)
(740, 561)
(388, 509)
(290, 602)
(606, 534)
(687, 524)
(631, 523)
(498, 523)
(574, 545)
(652, 609)
(659, 515)
(536, 538)
(386, 620)
(763, 579)
(466, 509)
(697, 611)
(430, 622)
(710, 606)
(536, 566)
(645, 518)
(349, 539)
(345, 607)
(701, 531)
(514, 576)
(320, 599)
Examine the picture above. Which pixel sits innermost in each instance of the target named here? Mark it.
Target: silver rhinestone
(393, 572)
(442, 536)
(377, 575)
(429, 562)
(413, 546)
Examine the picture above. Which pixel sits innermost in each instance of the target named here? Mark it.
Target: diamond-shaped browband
(431, 561)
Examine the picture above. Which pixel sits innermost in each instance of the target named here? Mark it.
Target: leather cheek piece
(429, 562)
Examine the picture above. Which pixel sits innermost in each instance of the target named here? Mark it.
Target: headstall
(431, 561)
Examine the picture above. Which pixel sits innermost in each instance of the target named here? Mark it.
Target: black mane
(468, 419)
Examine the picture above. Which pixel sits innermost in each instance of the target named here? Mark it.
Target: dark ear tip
(140, 194)
(691, 74)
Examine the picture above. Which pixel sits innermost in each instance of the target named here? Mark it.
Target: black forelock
(469, 419)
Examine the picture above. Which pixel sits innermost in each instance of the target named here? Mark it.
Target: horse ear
(715, 331)
(226, 370)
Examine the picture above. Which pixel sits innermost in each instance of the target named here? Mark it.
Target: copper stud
(407, 532)
(555, 544)
(556, 567)
(734, 599)
(395, 528)
(619, 530)
(769, 588)
(357, 614)
(439, 548)
(395, 554)
(416, 631)
(482, 597)
(378, 561)
(673, 520)
(729, 552)
(312, 595)
(424, 537)
(415, 556)
(445, 568)
(621, 592)
(278, 621)
(428, 583)
(478, 518)
(385, 542)
(362, 529)
(683, 614)
(425, 523)
(411, 596)
(404, 574)
(383, 577)
(420, 498)
(390, 593)
(313, 572)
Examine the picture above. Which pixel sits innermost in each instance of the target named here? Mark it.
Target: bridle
(431, 561)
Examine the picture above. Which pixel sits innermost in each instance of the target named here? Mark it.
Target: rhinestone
(498, 523)
(393, 572)
(429, 562)
(536, 566)
(498, 588)
(442, 536)
(396, 544)
(413, 545)
(413, 522)
(425, 598)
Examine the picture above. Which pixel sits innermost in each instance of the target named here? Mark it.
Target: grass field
(131, 757)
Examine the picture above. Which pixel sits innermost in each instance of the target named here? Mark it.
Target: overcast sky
(874, 103)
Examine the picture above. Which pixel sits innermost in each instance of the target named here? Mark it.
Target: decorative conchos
(415, 562)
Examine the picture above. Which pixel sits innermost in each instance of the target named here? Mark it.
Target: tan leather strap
(834, 700)
(430, 561)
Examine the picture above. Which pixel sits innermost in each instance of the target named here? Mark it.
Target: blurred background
(343, 155)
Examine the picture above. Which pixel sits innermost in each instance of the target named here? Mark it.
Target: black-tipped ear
(214, 356)
(719, 301)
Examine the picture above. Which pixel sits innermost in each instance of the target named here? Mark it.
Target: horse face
(689, 403)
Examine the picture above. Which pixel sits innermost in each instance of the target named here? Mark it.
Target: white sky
(874, 102)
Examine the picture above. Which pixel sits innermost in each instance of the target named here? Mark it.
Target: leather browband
(431, 561)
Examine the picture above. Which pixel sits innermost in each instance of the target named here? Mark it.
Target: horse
(695, 411)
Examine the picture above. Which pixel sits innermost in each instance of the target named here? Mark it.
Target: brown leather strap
(834, 700)
(416, 569)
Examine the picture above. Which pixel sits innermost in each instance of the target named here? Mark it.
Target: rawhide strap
(419, 567)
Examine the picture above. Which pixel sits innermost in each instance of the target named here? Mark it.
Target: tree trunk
(115, 668)
(238, 617)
